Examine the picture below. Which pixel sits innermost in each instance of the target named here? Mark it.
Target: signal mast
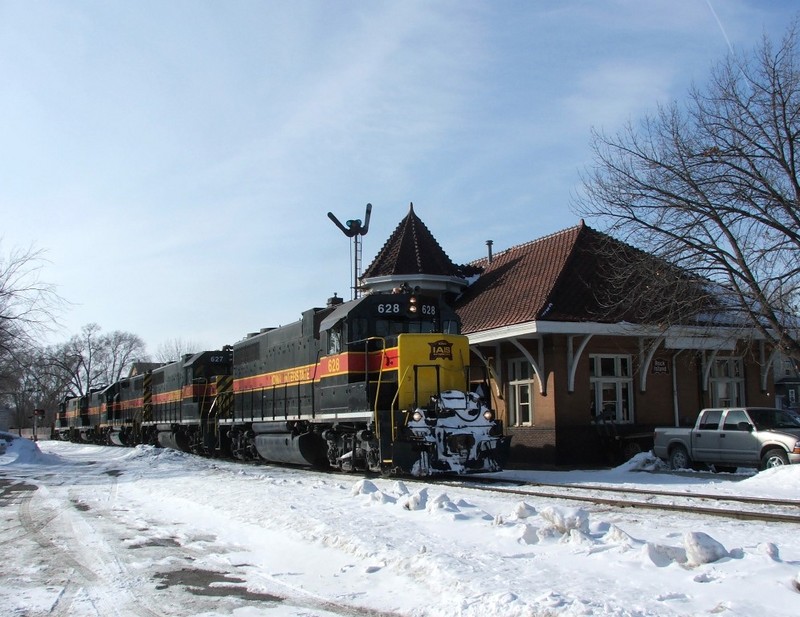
(354, 229)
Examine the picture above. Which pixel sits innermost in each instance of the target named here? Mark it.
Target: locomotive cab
(385, 316)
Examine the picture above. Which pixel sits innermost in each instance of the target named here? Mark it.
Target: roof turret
(412, 256)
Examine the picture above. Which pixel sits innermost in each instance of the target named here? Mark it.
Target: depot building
(573, 382)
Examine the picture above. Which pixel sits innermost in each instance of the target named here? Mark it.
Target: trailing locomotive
(379, 383)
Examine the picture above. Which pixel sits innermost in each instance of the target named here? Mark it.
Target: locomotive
(381, 383)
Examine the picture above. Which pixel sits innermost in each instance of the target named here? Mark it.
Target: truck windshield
(766, 419)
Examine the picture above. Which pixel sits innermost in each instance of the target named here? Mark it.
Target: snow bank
(406, 548)
(21, 451)
(778, 482)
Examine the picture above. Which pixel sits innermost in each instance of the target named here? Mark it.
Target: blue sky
(176, 160)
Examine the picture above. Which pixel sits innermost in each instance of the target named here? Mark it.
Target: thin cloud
(189, 151)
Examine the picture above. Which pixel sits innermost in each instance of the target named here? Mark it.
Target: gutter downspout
(675, 406)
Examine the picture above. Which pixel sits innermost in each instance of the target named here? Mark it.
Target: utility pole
(37, 413)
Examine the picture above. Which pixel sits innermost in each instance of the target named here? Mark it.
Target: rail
(771, 510)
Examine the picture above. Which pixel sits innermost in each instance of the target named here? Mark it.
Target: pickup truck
(760, 437)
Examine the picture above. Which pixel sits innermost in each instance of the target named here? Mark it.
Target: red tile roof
(412, 249)
(519, 284)
(580, 275)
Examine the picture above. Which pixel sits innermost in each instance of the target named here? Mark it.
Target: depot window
(611, 388)
(727, 382)
(520, 390)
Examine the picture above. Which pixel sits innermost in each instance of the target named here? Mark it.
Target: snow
(146, 531)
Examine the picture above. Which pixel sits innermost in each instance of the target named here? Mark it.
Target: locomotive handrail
(203, 398)
(212, 416)
(380, 370)
(313, 381)
(366, 353)
(380, 375)
(392, 407)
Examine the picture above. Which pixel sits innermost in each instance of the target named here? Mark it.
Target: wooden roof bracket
(645, 358)
(573, 357)
(538, 365)
(495, 376)
(707, 364)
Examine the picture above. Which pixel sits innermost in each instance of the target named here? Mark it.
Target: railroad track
(738, 507)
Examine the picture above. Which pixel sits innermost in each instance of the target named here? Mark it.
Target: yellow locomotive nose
(429, 364)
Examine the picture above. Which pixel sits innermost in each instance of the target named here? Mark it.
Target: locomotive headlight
(412, 304)
(417, 416)
(488, 415)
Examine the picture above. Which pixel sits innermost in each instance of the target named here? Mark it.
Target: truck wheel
(679, 458)
(630, 450)
(774, 458)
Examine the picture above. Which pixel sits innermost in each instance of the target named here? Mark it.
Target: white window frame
(619, 406)
(516, 389)
(726, 382)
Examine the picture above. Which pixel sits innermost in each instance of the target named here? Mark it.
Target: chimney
(489, 244)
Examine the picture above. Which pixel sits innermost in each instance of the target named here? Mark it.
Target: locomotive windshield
(391, 315)
(393, 327)
(387, 316)
(390, 327)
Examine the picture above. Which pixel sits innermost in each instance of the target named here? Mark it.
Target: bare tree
(32, 376)
(174, 349)
(27, 305)
(91, 359)
(81, 356)
(712, 187)
(120, 350)
(37, 386)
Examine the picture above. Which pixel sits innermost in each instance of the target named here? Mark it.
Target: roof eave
(428, 282)
(676, 337)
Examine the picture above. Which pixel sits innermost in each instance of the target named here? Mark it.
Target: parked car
(760, 437)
